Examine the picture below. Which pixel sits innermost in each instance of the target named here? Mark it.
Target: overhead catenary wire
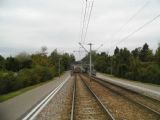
(81, 20)
(138, 29)
(98, 47)
(132, 17)
(90, 12)
(84, 19)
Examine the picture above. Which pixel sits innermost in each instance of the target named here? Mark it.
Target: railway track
(81, 99)
(124, 105)
(86, 105)
(151, 104)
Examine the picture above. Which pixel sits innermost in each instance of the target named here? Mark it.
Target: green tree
(146, 54)
(157, 55)
(101, 64)
(25, 60)
(39, 59)
(12, 64)
(2, 63)
(54, 58)
(116, 51)
(136, 52)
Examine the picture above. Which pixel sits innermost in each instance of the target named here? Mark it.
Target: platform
(147, 89)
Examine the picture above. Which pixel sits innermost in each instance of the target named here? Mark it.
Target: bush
(12, 64)
(122, 70)
(7, 81)
(149, 74)
(25, 77)
(45, 73)
(35, 75)
(130, 75)
(153, 74)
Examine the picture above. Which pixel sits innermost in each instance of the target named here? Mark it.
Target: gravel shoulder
(59, 108)
(152, 91)
(16, 107)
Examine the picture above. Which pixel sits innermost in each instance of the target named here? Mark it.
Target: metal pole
(90, 61)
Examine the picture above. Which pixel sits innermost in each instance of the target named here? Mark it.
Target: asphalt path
(18, 106)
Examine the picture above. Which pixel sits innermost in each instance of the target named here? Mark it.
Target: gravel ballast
(121, 108)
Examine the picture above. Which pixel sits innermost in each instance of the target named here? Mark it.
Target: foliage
(2, 63)
(157, 55)
(140, 64)
(26, 70)
(24, 60)
(6, 82)
(64, 59)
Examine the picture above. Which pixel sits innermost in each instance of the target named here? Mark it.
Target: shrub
(44, 73)
(35, 75)
(6, 82)
(27, 77)
(130, 75)
(10, 81)
(149, 74)
(153, 74)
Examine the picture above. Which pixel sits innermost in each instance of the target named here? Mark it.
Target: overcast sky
(26, 25)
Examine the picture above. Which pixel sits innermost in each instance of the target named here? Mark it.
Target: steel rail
(99, 101)
(73, 99)
(96, 79)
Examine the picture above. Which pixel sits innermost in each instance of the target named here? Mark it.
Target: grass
(18, 92)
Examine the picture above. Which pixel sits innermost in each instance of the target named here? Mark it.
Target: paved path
(16, 107)
(142, 88)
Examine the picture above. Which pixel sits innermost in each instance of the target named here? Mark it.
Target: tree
(2, 63)
(101, 64)
(54, 58)
(124, 55)
(25, 60)
(66, 60)
(146, 54)
(121, 62)
(136, 52)
(41, 57)
(157, 55)
(1, 58)
(12, 64)
(116, 51)
(43, 50)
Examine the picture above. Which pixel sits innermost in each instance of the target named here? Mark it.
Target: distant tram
(80, 69)
(77, 69)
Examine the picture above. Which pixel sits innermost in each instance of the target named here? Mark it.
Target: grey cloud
(26, 25)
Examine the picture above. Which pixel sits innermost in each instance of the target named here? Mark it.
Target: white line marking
(34, 112)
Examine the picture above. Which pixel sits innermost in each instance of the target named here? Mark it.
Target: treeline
(140, 64)
(26, 70)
